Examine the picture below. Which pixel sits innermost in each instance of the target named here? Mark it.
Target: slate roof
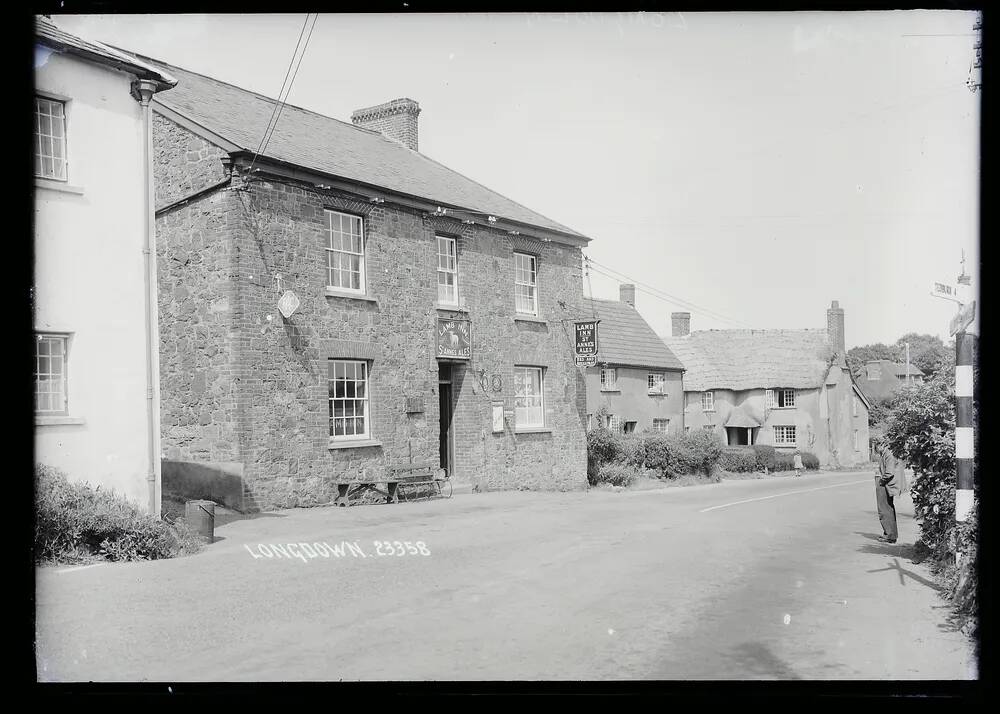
(752, 359)
(624, 338)
(336, 148)
(49, 34)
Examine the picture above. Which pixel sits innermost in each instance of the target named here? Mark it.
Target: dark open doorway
(444, 399)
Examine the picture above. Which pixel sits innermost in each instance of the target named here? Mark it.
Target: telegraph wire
(666, 297)
(289, 80)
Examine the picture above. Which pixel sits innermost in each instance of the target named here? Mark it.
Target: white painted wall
(89, 280)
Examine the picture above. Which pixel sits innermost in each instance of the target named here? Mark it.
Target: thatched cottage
(788, 388)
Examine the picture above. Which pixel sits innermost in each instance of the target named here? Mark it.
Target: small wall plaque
(497, 417)
(414, 405)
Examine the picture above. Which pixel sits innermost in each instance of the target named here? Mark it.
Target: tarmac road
(765, 579)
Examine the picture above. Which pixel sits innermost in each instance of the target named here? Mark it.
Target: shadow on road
(897, 566)
(756, 658)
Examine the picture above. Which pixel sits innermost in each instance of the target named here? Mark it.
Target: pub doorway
(446, 439)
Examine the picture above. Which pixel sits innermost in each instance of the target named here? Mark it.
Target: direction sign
(964, 318)
(946, 291)
(586, 360)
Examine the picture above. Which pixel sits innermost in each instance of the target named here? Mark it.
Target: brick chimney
(680, 323)
(835, 328)
(627, 293)
(396, 119)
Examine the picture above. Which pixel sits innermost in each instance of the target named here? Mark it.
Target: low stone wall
(220, 482)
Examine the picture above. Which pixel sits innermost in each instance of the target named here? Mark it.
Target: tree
(858, 356)
(927, 352)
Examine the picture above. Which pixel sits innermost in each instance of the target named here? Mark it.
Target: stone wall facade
(243, 383)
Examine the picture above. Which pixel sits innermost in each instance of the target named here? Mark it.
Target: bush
(810, 461)
(692, 453)
(633, 450)
(766, 456)
(74, 520)
(603, 447)
(738, 459)
(703, 451)
(617, 474)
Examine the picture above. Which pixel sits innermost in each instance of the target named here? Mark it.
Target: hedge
(669, 456)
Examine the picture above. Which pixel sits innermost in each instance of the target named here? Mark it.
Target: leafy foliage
(74, 521)
(668, 455)
(738, 459)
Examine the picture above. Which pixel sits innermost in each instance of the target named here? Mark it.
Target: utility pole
(965, 344)
(975, 80)
(907, 363)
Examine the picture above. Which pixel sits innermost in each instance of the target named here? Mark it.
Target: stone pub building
(341, 303)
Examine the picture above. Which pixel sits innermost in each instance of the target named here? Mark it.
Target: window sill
(331, 292)
(781, 408)
(532, 430)
(530, 318)
(357, 444)
(57, 186)
(657, 394)
(610, 391)
(444, 307)
(57, 420)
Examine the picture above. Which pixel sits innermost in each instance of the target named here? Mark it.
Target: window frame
(64, 339)
(366, 416)
(777, 398)
(533, 285)
(456, 301)
(664, 422)
(613, 385)
(783, 430)
(518, 424)
(654, 385)
(363, 255)
(711, 401)
(615, 423)
(37, 139)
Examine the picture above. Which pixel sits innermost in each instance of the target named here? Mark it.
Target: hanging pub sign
(454, 339)
(586, 343)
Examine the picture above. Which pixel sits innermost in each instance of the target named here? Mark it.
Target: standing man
(890, 481)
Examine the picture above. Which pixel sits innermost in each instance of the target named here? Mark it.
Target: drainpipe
(144, 90)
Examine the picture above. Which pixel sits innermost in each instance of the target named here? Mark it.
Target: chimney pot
(680, 323)
(627, 293)
(396, 119)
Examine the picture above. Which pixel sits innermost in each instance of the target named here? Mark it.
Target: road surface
(763, 579)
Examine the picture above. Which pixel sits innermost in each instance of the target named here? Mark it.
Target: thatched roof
(753, 359)
(738, 417)
(625, 338)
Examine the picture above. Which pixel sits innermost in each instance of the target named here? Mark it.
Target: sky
(748, 168)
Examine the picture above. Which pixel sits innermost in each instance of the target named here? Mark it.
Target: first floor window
(345, 252)
(348, 383)
(528, 404)
(779, 398)
(655, 383)
(525, 284)
(784, 436)
(50, 374)
(609, 378)
(707, 401)
(447, 271)
(661, 425)
(50, 139)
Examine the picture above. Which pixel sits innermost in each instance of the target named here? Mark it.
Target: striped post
(964, 427)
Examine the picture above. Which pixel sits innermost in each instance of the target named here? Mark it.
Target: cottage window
(655, 382)
(609, 379)
(590, 422)
(784, 436)
(345, 252)
(50, 139)
(528, 398)
(661, 425)
(447, 272)
(707, 402)
(629, 427)
(348, 385)
(525, 284)
(779, 398)
(50, 374)
(614, 422)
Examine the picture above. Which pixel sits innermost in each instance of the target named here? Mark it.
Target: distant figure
(890, 481)
(797, 463)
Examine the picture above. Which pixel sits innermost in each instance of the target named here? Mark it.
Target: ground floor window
(629, 427)
(740, 436)
(590, 422)
(50, 374)
(529, 408)
(348, 386)
(661, 425)
(614, 422)
(784, 436)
